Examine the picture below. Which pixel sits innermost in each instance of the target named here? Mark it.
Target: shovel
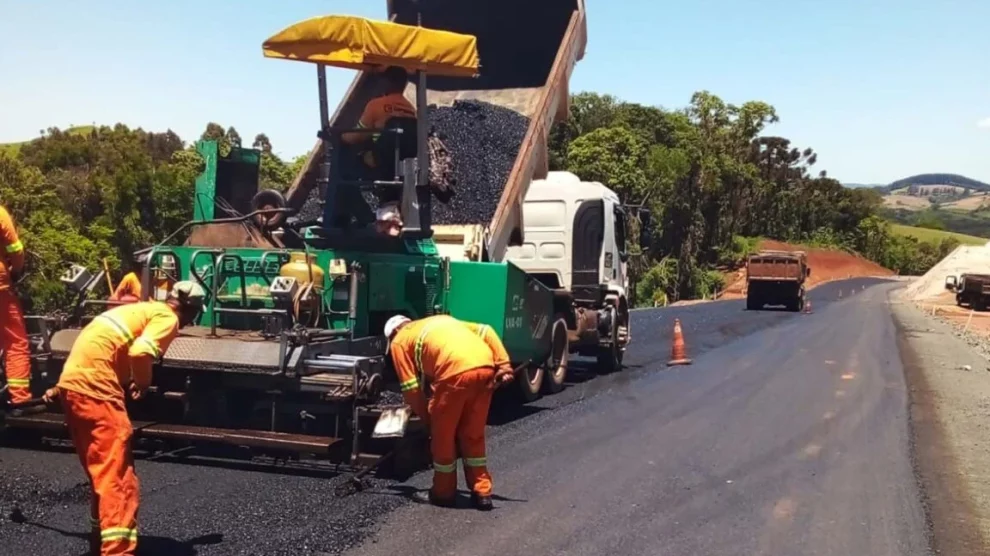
(392, 422)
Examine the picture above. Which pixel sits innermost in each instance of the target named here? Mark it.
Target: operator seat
(384, 151)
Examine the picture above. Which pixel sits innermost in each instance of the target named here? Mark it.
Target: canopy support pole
(423, 155)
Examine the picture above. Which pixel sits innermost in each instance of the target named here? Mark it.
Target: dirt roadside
(826, 266)
(949, 401)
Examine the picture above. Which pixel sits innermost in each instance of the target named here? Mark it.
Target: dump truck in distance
(776, 278)
(972, 290)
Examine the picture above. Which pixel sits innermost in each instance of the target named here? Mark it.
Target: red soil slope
(826, 266)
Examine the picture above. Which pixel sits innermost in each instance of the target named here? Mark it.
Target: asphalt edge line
(934, 463)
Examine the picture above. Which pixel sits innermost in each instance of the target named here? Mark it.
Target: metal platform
(164, 431)
(228, 351)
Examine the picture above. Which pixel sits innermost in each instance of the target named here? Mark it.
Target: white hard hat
(189, 294)
(393, 324)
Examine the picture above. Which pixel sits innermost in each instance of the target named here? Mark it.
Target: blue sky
(881, 89)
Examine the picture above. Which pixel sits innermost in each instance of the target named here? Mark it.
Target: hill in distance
(945, 180)
(13, 148)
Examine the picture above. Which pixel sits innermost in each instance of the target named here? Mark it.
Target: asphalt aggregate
(788, 435)
(483, 140)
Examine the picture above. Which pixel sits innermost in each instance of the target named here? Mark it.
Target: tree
(262, 143)
(614, 156)
(233, 137)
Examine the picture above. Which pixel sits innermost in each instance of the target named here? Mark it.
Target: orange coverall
(118, 347)
(13, 335)
(129, 286)
(459, 359)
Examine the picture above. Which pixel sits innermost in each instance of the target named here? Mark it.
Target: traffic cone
(807, 306)
(678, 352)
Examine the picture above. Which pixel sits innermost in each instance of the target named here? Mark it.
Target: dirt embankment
(826, 266)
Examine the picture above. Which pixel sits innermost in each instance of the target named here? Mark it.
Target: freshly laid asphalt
(787, 435)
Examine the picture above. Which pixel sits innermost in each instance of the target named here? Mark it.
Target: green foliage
(102, 193)
(738, 251)
(710, 177)
(612, 155)
(930, 221)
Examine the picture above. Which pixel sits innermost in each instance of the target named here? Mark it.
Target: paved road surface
(787, 436)
(793, 440)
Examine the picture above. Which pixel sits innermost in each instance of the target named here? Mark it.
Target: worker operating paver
(130, 288)
(13, 335)
(114, 354)
(464, 362)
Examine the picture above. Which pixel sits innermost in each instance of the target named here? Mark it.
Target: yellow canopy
(363, 44)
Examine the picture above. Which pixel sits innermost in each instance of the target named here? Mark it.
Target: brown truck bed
(775, 267)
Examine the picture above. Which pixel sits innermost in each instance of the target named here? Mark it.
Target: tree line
(102, 194)
(714, 182)
(710, 176)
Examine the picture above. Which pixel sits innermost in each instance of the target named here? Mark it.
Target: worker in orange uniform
(112, 358)
(464, 362)
(13, 335)
(391, 103)
(358, 154)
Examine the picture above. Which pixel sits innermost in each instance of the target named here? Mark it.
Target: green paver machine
(288, 355)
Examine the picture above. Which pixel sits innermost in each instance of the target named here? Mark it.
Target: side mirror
(951, 282)
(645, 227)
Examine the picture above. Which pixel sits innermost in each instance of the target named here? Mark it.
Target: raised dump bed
(528, 51)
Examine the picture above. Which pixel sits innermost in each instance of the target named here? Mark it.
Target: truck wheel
(610, 356)
(752, 305)
(556, 365)
(530, 383)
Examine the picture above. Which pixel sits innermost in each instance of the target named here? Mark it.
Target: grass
(12, 149)
(926, 234)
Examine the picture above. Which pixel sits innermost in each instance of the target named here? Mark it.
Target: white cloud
(984, 123)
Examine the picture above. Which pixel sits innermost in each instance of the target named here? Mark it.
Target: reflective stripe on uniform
(114, 534)
(444, 468)
(151, 345)
(122, 330)
(410, 384)
(476, 462)
(19, 382)
(420, 344)
(15, 247)
(482, 330)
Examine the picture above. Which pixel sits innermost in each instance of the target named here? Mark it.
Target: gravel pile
(389, 397)
(473, 146)
(483, 140)
(965, 259)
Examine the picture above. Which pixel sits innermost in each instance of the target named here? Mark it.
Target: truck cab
(575, 242)
(575, 238)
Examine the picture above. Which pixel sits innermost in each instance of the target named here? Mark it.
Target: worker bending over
(464, 362)
(111, 359)
(13, 335)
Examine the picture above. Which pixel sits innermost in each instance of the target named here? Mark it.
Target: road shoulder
(949, 409)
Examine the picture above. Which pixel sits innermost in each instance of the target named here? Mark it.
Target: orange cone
(678, 352)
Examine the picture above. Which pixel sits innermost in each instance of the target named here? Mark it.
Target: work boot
(483, 503)
(95, 542)
(427, 497)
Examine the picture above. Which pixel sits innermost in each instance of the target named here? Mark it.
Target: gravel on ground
(949, 382)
